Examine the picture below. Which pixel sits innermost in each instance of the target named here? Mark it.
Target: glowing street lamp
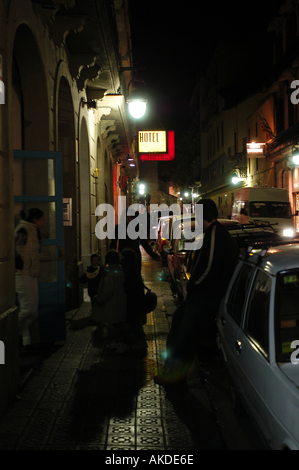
(141, 189)
(295, 155)
(137, 104)
(235, 178)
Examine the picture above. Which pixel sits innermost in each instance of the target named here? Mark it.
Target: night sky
(174, 42)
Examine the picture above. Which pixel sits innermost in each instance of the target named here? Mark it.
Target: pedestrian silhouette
(27, 265)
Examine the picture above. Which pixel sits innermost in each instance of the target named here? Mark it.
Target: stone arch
(29, 93)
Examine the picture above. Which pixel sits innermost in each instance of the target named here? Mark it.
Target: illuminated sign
(158, 155)
(152, 142)
(2, 87)
(255, 150)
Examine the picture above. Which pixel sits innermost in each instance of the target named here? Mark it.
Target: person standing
(120, 244)
(194, 319)
(92, 277)
(27, 264)
(110, 303)
(134, 288)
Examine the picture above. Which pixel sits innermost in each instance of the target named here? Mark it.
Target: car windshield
(273, 210)
(286, 314)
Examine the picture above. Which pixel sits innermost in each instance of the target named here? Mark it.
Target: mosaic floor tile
(122, 421)
(120, 448)
(150, 431)
(150, 441)
(142, 412)
(149, 421)
(115, 440)
(121, 430)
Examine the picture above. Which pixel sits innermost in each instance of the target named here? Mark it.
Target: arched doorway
(37, 177)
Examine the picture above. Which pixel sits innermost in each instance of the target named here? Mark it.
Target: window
(239, 292)
(276, 210)
(286, 314)
(222, 135)
(257, 317)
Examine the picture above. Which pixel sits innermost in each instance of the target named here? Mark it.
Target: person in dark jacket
(195, 317)
(92, 276)
(134, 288)
(120, 244)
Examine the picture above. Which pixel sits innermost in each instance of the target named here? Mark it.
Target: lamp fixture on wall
(137, 104)
(137, 99)
(91, 104)
(239, 174)
(295, 154)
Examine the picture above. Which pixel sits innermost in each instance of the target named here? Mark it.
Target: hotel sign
(156, 145)
(255, 150)
(152, 141)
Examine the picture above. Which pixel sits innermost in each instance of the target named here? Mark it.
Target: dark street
(84, 396)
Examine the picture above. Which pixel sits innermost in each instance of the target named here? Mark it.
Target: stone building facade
(65, 73)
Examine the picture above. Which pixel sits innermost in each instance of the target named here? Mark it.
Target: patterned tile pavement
(84, 396)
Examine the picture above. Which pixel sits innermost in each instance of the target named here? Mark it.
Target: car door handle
(238, 345)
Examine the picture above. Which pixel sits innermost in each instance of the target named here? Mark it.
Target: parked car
(257, 322)
(170, 230)
(162, 231)
(265, 204)
(156, 219)
(241, 234)
(176, 254)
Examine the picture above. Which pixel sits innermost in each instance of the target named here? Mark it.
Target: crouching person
(110, 304)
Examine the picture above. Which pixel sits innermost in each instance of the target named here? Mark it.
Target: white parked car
(257, 323)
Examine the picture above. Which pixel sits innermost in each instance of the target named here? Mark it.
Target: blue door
(38, 183)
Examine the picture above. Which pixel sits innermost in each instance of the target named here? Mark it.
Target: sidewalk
(86, 397)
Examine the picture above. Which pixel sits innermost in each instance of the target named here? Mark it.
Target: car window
(238, 293)
(165, 230)
(257, 316)
(286, 313)
(275, 210)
